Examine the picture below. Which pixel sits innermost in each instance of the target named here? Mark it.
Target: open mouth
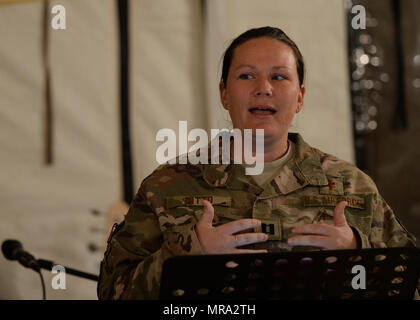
(262, 110)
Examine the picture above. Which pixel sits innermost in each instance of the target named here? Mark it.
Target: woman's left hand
(338, 236)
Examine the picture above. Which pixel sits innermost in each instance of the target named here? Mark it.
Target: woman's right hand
(222, 239)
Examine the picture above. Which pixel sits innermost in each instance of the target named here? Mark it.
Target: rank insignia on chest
(335, 187)
(272, 228)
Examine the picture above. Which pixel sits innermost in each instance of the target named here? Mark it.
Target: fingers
(339, 217)
(249, 238)
(249, 251)
(230, 227)
(315, 229)
(311, 240)
(240, 225)
(208, 213)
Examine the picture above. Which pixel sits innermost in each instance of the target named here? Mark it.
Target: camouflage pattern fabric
(161, 219)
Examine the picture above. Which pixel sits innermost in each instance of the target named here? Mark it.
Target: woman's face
(262, 89)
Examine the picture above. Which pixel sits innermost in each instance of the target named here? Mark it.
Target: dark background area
(386, 103)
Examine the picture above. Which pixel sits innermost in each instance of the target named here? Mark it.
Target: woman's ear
(223, 98)
(301, 97)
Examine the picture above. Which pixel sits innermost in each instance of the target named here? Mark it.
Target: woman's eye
(245, 76)
(278, 77)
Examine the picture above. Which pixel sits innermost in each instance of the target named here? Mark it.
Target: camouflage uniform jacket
(161, 219)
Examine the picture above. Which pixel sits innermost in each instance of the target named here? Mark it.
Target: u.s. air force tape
(332, 201)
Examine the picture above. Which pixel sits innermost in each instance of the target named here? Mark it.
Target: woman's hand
(338, 236)
(221, 239)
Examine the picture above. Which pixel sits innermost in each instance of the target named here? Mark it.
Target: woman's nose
(263, 88)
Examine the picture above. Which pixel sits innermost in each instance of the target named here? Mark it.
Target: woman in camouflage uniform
(305, 198)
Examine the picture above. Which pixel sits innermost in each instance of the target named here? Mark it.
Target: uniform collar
(231, 176)
(303, 169)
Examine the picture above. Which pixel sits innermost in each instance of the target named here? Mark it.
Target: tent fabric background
(48, 208)
(175, 55)
(167, 75)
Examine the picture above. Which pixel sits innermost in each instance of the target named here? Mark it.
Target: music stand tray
(385, 273)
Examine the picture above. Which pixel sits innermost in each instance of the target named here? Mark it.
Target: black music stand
(390, 273)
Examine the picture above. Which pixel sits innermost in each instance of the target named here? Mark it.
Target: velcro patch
(189, 200)
(335, 186)
(272, 228)
(332, 201)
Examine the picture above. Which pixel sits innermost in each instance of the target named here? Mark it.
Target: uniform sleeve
(386, 230)
(136, 250)
(387, 227)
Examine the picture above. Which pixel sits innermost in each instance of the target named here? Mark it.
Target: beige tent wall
(48, 208)
(318, 28)
(167, 74)
(174, 61)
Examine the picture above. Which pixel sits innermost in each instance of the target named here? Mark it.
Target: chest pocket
(358, 213)
(295, 215)
(181, 208)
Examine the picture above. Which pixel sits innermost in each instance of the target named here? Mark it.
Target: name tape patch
(197, 201)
